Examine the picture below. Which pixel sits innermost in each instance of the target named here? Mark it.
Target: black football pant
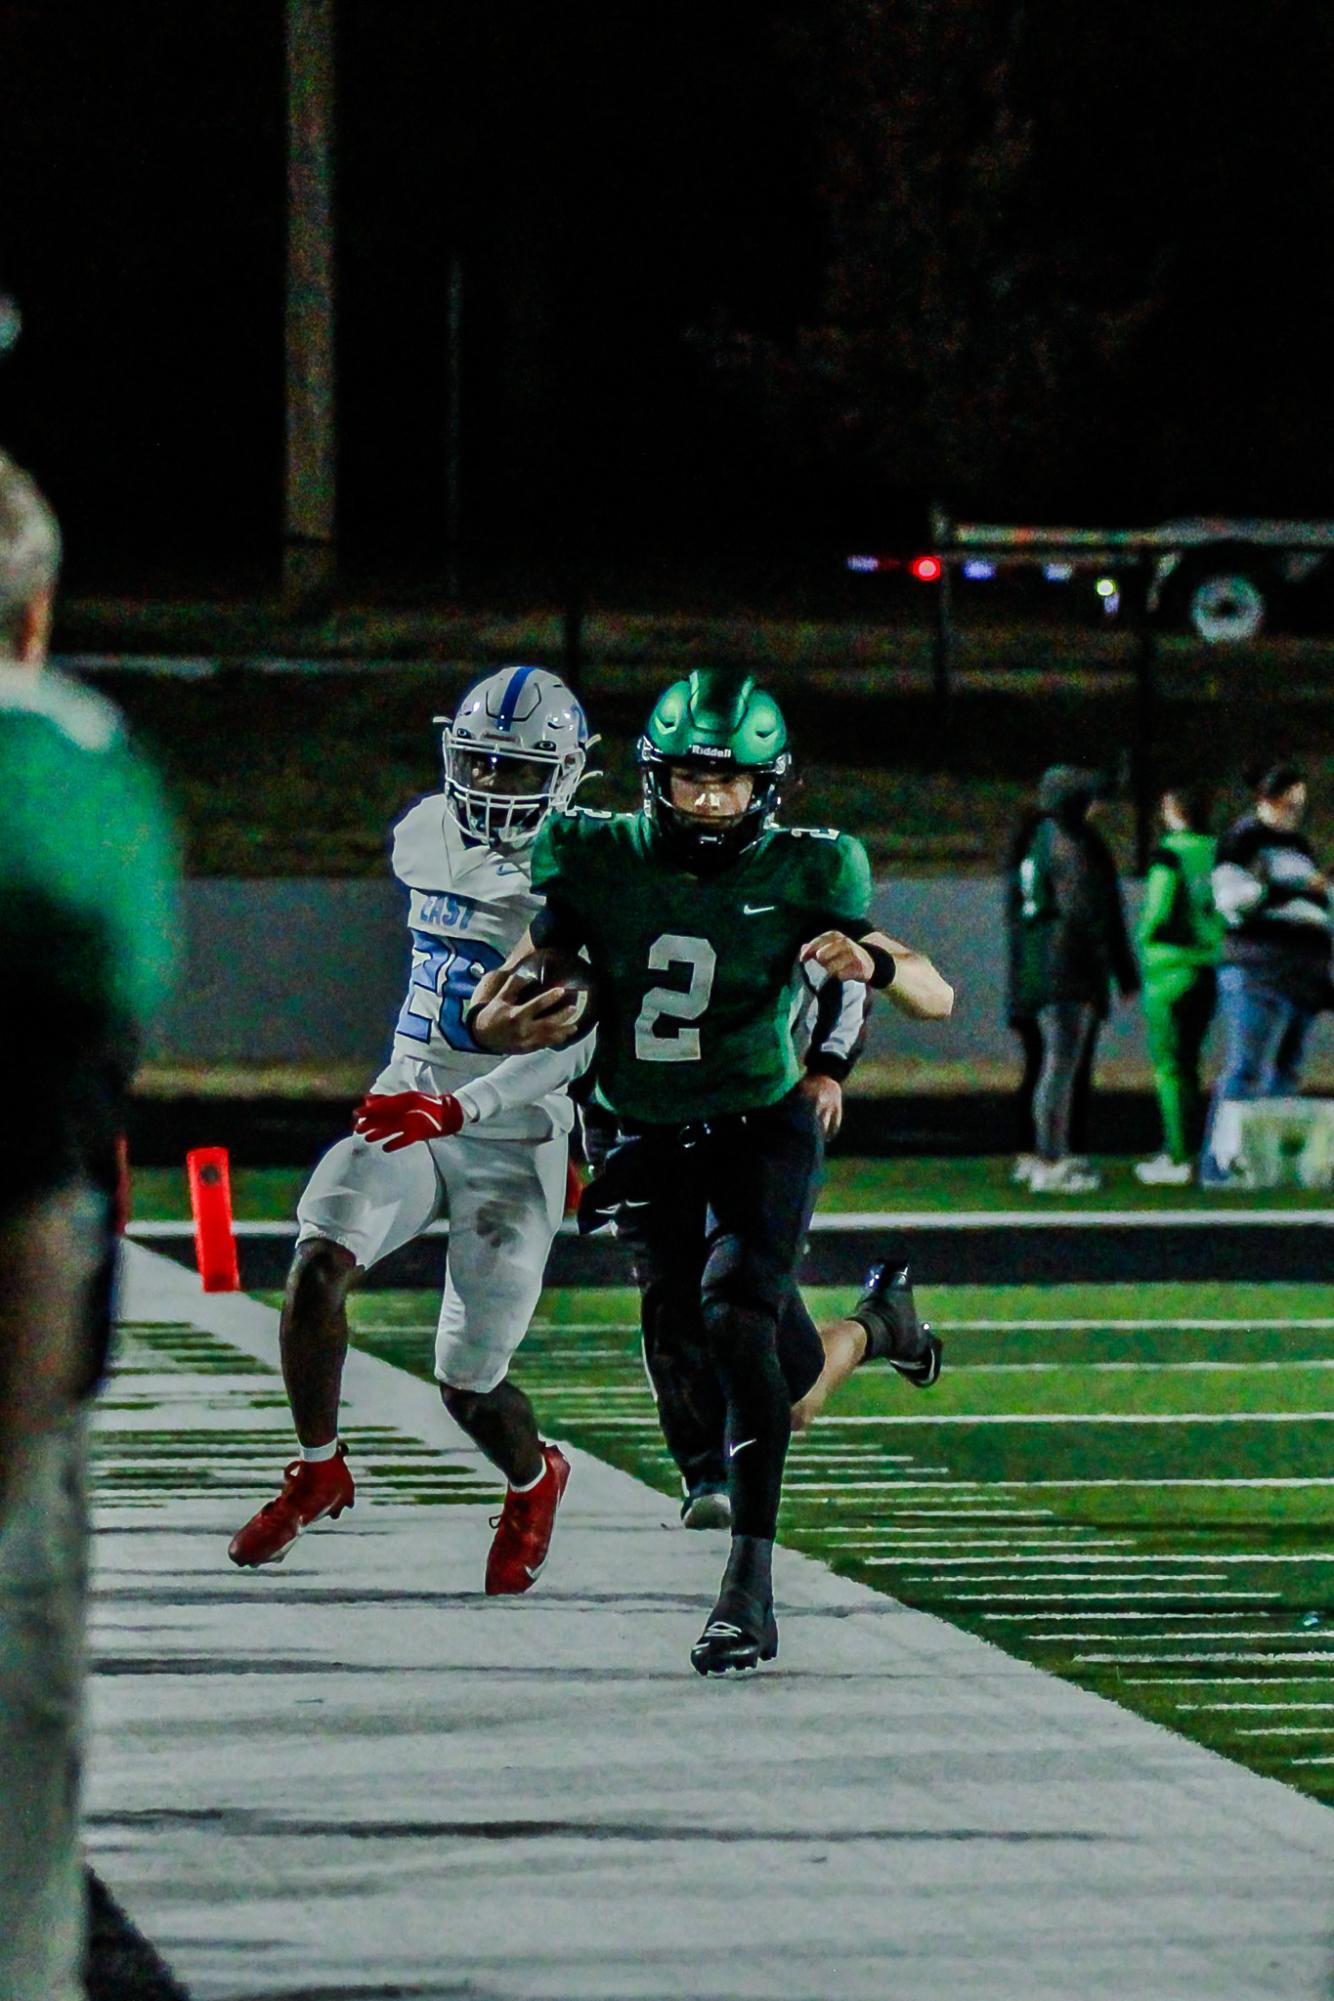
(716, 1213)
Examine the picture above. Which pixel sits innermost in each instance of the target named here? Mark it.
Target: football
(550, 967)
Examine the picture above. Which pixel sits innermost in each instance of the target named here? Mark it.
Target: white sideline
(830, 1221)
(357, 1776)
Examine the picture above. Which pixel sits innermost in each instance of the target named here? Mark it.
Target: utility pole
(1145, 725)
(942, 653)
(309, 511)
(454, 429)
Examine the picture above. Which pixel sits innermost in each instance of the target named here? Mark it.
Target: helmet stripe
(510, 699)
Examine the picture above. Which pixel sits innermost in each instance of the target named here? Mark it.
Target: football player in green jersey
(695, 913)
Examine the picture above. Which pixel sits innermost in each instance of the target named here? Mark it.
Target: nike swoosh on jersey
(732, 1450)
(756, 909)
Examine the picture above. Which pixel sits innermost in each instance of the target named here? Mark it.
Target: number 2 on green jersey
(660, 1032)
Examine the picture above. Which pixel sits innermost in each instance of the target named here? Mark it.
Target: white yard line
(1174, 1480)
(985, 1568)
(1144, 1660)
(1265, 1707)
(1283, 1730)
(864, 1220)
(1169, 1634)
(1066, 1617)
(1102, 1597)
(889, 1484)
(1210, 1561)
(1080, 1368)
(1213, 1680)
(1171, 1324)
(1102, 1417)
(1022, 1552)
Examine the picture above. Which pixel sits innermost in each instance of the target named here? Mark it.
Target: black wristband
(824, 1063)
(883, 965)
(470, 1014)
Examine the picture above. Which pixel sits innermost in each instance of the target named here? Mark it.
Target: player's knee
(742, 1298)
(321, 1277)
(738, 1283)
(669, 1320)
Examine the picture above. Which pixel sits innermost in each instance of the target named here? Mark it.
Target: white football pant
(504, 1199)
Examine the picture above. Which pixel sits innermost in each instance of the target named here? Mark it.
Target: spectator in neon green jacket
(1179, 937)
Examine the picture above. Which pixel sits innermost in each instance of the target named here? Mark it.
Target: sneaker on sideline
(1064, 1177)
(1164, 1172)
(1022, 1171)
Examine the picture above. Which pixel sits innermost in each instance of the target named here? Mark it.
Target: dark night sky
(608, 184)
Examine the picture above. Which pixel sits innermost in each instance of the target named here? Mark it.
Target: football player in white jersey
(448, 1127)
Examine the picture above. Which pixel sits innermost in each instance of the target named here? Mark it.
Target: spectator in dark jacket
(1021, 1015)
(1068, 944)
(1275, 972)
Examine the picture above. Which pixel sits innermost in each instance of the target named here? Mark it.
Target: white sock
(315, 1455)
(531, 1483)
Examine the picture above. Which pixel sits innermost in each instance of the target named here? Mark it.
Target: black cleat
(707, 1505)
(925, 1369)
(742, 1630)
(740, 1634)
(894, 1331)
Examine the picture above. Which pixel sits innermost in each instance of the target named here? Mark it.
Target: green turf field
(261, 1193)
(1129, 1485)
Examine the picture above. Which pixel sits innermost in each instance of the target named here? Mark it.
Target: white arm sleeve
(523, 1080)
(1236, 891)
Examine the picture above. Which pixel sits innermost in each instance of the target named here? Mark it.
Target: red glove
(401, 1118)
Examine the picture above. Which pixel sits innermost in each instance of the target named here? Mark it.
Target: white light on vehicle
(863, 562)
(1058, 573)
(978, 570)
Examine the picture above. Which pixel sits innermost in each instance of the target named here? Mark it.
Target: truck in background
(1224, 579)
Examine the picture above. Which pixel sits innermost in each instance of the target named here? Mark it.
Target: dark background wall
(314, 972)
(659, 216)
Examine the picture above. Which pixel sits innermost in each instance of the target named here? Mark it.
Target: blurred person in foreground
(86, 928)
(1179, 935)
(1274, 978)
(1068, 943)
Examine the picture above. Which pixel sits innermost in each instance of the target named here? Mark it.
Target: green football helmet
(721, 720)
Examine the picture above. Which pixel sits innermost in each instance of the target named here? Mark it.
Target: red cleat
(310, 1492)
(523, 1529)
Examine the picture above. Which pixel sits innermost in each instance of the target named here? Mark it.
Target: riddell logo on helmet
(710, 750)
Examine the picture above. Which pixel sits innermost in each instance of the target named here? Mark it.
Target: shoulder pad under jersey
(430, 851)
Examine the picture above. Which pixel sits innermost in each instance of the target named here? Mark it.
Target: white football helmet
(514, 752)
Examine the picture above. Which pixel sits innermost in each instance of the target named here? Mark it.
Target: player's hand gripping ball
(549, 970)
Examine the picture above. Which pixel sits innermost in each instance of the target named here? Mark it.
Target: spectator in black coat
(1068, 944)
(1021, 1015)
